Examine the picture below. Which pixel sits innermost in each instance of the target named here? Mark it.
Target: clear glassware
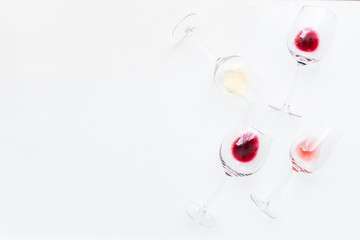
(231, 73)
(308, 41)
(308, 153)
(242, 153)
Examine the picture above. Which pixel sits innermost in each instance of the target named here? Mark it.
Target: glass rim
(222, 60)
(319, 7)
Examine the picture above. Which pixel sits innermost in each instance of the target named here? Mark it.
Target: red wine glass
(308, 153)
(242, 153)
(308, 40)
(232, 74)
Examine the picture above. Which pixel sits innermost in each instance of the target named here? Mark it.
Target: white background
(108, 127)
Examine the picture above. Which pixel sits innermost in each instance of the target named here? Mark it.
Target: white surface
(108, 127)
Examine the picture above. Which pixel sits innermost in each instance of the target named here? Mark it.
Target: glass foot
(200, 214)
(286, 109)
(185, 26)
(263, 206)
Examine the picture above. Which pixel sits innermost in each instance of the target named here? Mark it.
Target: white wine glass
(232, 73)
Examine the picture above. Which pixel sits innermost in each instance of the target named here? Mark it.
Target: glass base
(185, 26)
(286, 109)
(200, 215)
(263, 206)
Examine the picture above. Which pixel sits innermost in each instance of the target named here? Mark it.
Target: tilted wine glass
(308, 40)
(242, 153)
(308, 153)
(231, 73)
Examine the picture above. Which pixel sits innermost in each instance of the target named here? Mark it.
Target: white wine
(236, 81)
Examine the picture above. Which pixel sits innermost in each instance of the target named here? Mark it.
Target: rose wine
(236, 81)
(245, 148)
(307, 40)
(308, 150)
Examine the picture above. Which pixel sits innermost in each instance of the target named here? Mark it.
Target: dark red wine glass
(242, 153)
(308, 40)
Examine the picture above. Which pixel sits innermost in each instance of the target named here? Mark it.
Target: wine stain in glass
(245, 148)
(307, 40)
(236, 81)
(308, 150)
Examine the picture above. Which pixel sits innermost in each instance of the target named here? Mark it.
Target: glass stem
(203, 46)
(290, 94)
(214, 193)
(279, 188)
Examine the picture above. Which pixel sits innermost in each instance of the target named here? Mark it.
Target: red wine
(245, 148)
(307, 40)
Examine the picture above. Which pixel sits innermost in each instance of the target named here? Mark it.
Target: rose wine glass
(308, 153)
(242, 153)
(231, 73)
(308, 40)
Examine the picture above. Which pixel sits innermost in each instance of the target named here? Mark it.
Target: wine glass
(231, 73)
(242, 153)
(308, 41)
(308, 153)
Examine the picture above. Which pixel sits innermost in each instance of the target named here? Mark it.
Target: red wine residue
(307, 40)
(245, 148)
